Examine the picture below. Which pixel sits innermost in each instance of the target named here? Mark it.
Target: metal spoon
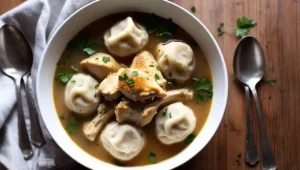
(15, 62)
(249, 64)
(37, 138)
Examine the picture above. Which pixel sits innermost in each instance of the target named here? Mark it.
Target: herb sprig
(202, 89)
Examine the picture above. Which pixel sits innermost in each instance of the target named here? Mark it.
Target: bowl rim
(221, 108)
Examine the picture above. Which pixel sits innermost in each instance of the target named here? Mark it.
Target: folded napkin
(37, 19)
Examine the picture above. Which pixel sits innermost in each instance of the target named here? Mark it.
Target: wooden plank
(278, 31)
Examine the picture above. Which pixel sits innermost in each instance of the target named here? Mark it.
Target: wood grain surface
(278, 31)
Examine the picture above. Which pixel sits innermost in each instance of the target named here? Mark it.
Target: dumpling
(125, 38)
(122, 141)
(100, 65)
(80, 94)
(176, 61)
(174, 123)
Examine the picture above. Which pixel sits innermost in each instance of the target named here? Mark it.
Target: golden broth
(73, 58)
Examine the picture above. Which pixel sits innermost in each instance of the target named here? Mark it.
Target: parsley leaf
(105, 59)
(270, 82)
(170, 115)
(75, 69)
(220, 29)
(72, 125)
(189, 139)
(243, 26)
(64, 77)
(61, 117)
(202, 89)
(89, 51)
(151, 65)
(158, 68)
(135, 73)
(156, 77)
(152, 157)
(193, 9)
(125, 78)
(165, 112)
(96, 87)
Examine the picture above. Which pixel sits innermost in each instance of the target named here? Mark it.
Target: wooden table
(278, 31)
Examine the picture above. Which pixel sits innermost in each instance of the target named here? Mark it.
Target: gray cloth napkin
(37, 19)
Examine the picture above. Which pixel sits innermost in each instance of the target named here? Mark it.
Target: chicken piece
(92, 128)
(100, 65)
(109, 87)
(129, 111)
(145, 62)
(138, 86)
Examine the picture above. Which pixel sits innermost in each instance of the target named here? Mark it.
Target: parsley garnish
(125, 78)
(152, 157)
(73, 81)
(170, 115)
(96, 87)
(189, 139)
(135, 73)
(105, 59)
(270, 82)
(61, 117)
(165, 112)
(220, 29)
(117, 162)
(151, 65)
(166, 56)
(193, 9)
(243, 26)
(97, 58)
(74, 69)
(202, 89)
(158, 68)
(72, 125)
(89, 51)
(156, 77)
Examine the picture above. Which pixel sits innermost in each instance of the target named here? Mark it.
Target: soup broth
(73, 57)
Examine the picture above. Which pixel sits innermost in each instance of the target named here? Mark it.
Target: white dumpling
(80, 94)
(122, 141)
(125, 38)
(174, 123)
(176, 61)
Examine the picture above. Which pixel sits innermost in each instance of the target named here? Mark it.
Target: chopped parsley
(65, 76)
(105, 59)
(189, 139)
(135, 73)
(151, 65)
(202, 89)
(83, 42)
(117, 162)
(96, 87)
(193, 9)
(220, 29)
(160, 27)
(72, 125)
(242, 28)
(125, 78)
(73, 81)
(158, 68)
(166, 56)
(61, 116)
(74, 69)
(170, 115)
(97, 58)
(270, 82)
(89, 51)
(165, 112)
(152, 157)
(156, 77)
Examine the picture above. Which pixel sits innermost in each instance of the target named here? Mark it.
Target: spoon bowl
(249, 61)
(16, 55)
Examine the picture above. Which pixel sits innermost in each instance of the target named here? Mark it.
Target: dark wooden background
(278, 31)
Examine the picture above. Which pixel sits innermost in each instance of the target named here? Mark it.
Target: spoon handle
(24, 142)
(37, 137)
(251, 149)
(268, 161)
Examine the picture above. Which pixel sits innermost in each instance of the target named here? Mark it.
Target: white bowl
(99, 9)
